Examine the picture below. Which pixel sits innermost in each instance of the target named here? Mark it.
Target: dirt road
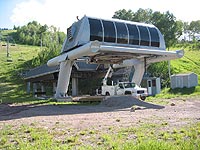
(117, 112)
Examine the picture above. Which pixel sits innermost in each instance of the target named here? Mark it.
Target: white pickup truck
(124, 88)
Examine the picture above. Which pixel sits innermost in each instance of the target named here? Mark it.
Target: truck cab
(125, 88)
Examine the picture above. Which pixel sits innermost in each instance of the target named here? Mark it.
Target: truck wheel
(143, 98)
(107, 94)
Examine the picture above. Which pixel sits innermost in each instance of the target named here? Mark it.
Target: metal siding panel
(185, 81)
(158, 86)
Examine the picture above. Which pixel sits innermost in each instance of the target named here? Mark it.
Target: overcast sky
(62, 13)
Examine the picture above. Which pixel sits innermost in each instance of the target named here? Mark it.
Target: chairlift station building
(117, 42)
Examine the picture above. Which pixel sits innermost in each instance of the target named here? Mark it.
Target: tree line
(4, 29)
(33, 33)
(166, 22)
(48, 37)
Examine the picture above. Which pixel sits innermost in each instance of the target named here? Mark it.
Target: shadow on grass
(47, 108)
(182, 91)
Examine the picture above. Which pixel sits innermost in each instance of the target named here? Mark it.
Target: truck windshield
(129, 85)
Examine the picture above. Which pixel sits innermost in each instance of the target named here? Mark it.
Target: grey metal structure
(122, 33)
(184, 80)
(118, 42)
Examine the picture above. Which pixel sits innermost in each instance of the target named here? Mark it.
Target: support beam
(54, 89)
(28, 87)
(74, 86)
(139, 72)
(63, 79)
(34, 89)
(139, 67)
(43, 89)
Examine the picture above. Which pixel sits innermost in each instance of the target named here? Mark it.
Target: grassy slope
(7, 32)
(189, 63)
(12, 86)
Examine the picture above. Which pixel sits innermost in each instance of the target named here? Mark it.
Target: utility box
(184, 80)
(152, 84)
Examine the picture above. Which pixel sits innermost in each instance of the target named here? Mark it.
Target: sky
(62, 13)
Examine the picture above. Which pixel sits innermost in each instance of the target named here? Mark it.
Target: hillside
(189, 63)
(12, 86)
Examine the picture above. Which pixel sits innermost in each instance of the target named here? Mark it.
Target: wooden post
(43, 89)
(74, 86)
(28, 87)
(34, 89)
(54, 89)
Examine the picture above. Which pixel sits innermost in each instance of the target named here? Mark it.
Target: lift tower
(117, 42)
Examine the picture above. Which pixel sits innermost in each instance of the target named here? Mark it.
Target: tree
(186, 27)
(180, 28)
(160, 69)
(14, 28)
(143, 15)
(42, 31)
(33, 32)
(28, 34)
(186, 30)
(124, 15)
(168, 26)
(194, 28)
(166, 22)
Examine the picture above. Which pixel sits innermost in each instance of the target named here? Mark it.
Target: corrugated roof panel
(41, 70)
(82, 66)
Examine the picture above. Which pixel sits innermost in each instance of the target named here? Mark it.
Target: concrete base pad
(64, 99)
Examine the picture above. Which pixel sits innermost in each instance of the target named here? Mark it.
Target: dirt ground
(113, 112)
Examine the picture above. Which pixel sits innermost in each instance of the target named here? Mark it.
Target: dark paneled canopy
(123, 33)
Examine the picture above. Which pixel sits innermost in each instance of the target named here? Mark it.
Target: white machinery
(110, 42)
(121, 88)
(124, 88)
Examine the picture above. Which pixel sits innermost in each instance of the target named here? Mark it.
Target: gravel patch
(127, 102)
(115, 112)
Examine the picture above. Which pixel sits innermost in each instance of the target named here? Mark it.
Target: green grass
(27, 137)
(7, 32)
(144, 137)
(181, 93)
(12, 86)
(189, 63)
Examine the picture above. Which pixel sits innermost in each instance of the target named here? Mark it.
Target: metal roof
(41, 71)
(115, 31)
(183, 74)
(82, 66)
(46, 70)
